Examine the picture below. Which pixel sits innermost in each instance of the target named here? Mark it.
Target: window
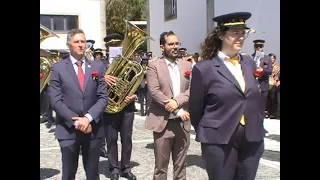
(170, 10)
(59, 23)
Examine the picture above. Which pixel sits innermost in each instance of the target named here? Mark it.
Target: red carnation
(187, 73)
(265, 62)
(257, 74)
(94, 75)
(41, 75)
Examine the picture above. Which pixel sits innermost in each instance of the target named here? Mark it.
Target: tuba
(129, 73)
(45, 61)
(88, 54)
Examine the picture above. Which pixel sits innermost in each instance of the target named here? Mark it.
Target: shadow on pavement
(275, 137)
(48, 172)
(104, 167)
(195, 160)
(271, 155)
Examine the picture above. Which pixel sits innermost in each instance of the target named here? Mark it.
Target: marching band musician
(121, 122)
(113, 45)
(226, 103)
(98, 54)
(46, 108)
(263, 65)
(143, 89)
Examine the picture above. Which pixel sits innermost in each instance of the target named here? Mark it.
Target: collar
(222, 56)
(168, 62)
(74, 60)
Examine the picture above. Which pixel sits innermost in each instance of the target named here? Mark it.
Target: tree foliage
(117, 10)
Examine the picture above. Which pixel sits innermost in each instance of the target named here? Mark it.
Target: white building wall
(194, 21)
(190, 25)
(91, 19)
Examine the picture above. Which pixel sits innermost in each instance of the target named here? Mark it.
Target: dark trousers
(238, 160)
(272, 102)
(113, 124)
(45, 106)
(90, 149)
(264, 95)
(143, 100)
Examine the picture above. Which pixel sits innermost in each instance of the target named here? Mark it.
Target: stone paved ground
(143, 161)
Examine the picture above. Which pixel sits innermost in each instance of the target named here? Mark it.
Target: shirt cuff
(89, 117)
(180, 111)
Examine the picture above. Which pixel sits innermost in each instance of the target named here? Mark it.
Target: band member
(98, 54)
(149, 55)
(226, 103)
(264, 65)
(143, 89)
(183, 52)
(113, 45)
(78, 96)
(119, 122)
(46, 109)
(167, 115)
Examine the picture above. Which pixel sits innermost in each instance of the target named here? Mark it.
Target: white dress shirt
(175, 78)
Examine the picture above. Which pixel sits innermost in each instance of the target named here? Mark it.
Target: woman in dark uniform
(226, 106)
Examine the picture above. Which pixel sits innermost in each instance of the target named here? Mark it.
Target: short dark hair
(271, 54)
(163, 35)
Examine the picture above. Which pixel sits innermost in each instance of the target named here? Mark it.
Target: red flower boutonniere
(94, 75)
(41, 75)
(257, 74)
(187, 73)
(265, 62)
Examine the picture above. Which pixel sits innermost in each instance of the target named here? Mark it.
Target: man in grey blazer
(78, 96)
(168, 82)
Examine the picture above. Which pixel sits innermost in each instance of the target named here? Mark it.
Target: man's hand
(110, 79)
(129, 99)
(278, 83)
(83, 123)
(259, 69)
(87, 131)
(185, 116)
(171, 105)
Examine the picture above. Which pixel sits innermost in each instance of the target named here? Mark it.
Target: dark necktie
(80, 74)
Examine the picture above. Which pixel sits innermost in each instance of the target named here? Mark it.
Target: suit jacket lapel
(87, 74)
(72, 72)
(245, 66)
(166, 73)
(224, 71)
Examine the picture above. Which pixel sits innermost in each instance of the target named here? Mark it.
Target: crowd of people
(223, 93)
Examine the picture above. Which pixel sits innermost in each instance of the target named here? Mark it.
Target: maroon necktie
(80, 74)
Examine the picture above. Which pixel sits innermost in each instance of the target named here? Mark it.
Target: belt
(175, 119)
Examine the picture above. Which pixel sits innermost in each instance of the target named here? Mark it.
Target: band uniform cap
(63, 52)
(54, 52)
(182, 49)
(259, 41)
(236, 19)
(91, 41)
(140, 51)
(149, 53)
(98, 50)
(113, 37)
(144, 58)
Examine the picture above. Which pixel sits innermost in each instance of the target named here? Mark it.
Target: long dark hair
(212, 44)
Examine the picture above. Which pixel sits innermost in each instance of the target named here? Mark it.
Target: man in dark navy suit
(264, 65)
(78, 96)
(225, 103)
